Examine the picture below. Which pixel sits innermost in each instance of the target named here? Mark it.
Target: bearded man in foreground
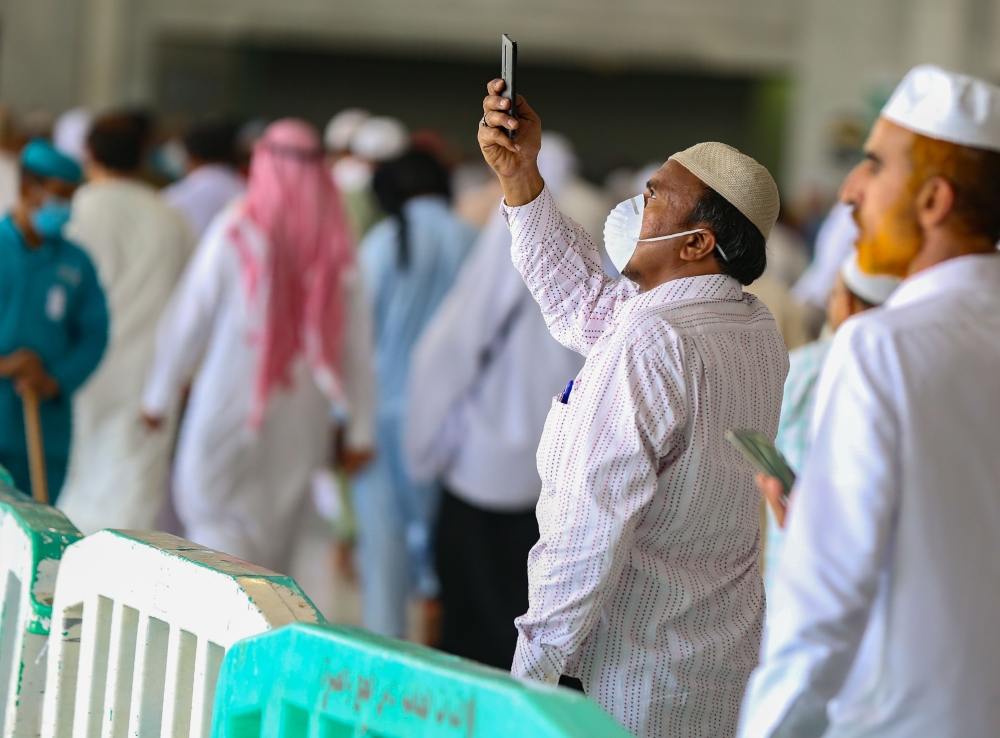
(888, 593)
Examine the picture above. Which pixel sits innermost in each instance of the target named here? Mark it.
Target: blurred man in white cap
(644, 584)
(341, 129)
(853, 292)
(139, 244)
(888, 592)
(358, 142)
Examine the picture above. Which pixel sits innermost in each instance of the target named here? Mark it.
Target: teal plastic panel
(325, 681)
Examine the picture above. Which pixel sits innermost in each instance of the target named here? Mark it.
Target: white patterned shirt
(645, 583)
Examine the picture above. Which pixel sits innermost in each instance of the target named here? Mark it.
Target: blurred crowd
(240, 329)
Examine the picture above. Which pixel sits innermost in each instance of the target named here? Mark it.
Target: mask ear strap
(672, 235)
(683, 233)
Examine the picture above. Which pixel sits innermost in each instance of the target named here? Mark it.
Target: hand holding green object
(765, 458)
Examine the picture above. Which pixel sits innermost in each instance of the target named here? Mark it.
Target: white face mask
(622, 229)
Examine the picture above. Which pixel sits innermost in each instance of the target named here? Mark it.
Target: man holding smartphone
(887, 597)
(644, 584)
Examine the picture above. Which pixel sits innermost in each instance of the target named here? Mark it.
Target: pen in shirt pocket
(566, 392)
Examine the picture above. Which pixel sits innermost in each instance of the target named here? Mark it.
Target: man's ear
(934, 202)
(697, 246)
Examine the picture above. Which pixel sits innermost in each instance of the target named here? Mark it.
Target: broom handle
(36, 448)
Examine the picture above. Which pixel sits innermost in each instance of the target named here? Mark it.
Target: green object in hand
(765, 458)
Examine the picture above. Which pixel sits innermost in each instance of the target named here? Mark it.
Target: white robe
(886, 598)
(240, 490)
(10, 181)
(139, 244)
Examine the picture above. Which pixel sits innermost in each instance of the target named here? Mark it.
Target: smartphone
(508, 65)
(765, 458)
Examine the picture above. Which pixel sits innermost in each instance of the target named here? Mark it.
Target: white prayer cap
(747, 185)
(70, 132)
(380, 139)
(872, 288)
(342, 127)
(557, 161)
(950, 107)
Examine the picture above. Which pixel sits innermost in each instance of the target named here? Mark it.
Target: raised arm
(558, 260)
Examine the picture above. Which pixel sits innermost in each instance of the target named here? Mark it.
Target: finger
(495, 86)
(497, 137)
(495, 102)
(773, 491)
(499, 119)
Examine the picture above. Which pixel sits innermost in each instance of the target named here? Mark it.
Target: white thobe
(481, 378)
(203, 193)
(645, 583)
(139, 244)
(887, 596)
(10, 181)
(239, 489)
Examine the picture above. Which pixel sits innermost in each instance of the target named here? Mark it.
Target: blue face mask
(50, 219)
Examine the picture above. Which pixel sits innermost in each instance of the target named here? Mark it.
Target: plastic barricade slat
(315, 681)
(32, 540)
(141, 622)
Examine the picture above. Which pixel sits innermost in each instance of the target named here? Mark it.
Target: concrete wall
(841, 54)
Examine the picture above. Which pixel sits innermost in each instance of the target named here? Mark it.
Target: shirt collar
(705, 287)
(46, 250)
(963, 272)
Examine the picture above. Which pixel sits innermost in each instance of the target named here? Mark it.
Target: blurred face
(842, 304)
(35, 192)
(670, 196)
(883, 194)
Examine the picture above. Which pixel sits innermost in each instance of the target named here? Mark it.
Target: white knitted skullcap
(950, 107)
(872, 288)
(380, 139)
(342, 127)
(747, 185)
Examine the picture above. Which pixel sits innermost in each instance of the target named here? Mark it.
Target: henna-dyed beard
(896, 241)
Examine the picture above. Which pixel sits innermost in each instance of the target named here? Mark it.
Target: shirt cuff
(532, 661)
(536, 210)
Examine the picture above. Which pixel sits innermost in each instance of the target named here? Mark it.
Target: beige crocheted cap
(738, 178)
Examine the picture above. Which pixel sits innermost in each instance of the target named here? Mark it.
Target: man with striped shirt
(645, 583)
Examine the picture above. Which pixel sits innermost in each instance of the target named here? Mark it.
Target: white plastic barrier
(32, 540)
(141, 622)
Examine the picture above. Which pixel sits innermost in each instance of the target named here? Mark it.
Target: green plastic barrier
(323, 681)
(32, 540)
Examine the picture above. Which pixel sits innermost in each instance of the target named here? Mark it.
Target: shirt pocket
(552, 446)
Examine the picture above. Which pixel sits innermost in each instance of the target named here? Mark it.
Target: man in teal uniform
(53, 317)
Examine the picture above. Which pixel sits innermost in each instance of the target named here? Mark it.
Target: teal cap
(42, 158)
